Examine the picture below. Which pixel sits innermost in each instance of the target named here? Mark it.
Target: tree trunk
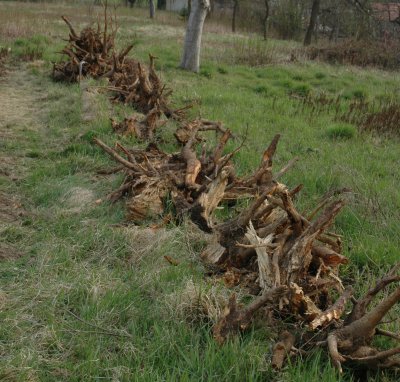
(313, 21)
(191, 49)
(161, 4)
(265, 20)
(212, 6)
(152, 9)
(235, 9)
(335, 26)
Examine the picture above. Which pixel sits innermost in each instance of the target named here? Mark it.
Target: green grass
(80, 263)
(28, 49)
(341, 131)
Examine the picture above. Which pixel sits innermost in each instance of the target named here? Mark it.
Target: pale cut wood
(213, 253)
(266, 273)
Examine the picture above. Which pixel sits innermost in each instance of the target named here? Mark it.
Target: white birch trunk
(191, 49)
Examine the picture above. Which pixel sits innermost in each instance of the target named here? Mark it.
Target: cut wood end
(282, 349)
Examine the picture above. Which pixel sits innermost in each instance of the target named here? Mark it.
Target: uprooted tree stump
(92, 53)
(290, 261)
(143, 127)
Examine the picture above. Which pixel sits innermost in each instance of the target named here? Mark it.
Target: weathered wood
(193, 165)
(359, 333)
(282, 349)
(116, 156)
(213, 253)
(202, 210)
(235, 318)
(334, 312)
(267, 274)
(71, 29)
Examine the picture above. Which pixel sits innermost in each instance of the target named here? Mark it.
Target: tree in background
(191, 49)
(130, 2)
(301, 20)
(152, 8)
(313, 22)
(234, 14)
(161, 4)
(265, 19)
(287, 18)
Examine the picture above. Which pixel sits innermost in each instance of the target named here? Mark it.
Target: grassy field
(85, 297)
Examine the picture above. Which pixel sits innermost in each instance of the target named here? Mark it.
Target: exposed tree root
(353, 340)
(235, 318)
(291, 260)
(92, 53)
(287, 260)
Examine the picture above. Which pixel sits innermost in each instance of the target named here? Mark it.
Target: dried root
(353, 340)
(288, 260)
(91, 53)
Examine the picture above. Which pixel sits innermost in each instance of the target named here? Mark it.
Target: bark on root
(353, 340)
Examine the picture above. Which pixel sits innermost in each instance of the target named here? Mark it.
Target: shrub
(252, 52)
(341, 131)
(288, 19)
(359, 53)
(381, 116)
(387, 120)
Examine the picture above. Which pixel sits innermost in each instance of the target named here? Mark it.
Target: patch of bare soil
(9, 252)
(10, 209)
(17, 102)
(18, 112)
(11, 212)
(89, 104)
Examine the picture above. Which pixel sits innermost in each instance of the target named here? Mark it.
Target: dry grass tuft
(8, 252)
(144, 241)
(198, 302)
(251, 51)
(381, 117)
(15, 29)
(78, 198)
(10, 208)
(3, 299)
(359, 53)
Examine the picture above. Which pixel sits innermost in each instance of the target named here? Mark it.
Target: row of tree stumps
(287, 260)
